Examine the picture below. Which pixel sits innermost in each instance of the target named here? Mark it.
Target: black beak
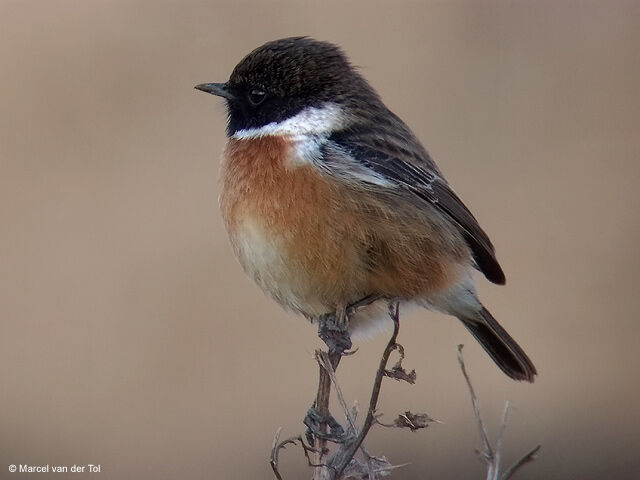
(219, 89)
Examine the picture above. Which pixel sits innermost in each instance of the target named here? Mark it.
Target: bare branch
(487, 455)
(345, 453)
(322, 427)
(529, 457)
(324, 361)
(503, 426)
(275, 448)
(333, 330)
(493, 459)
(322, 409)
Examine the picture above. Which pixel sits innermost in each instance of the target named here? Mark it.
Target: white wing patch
(342, 165)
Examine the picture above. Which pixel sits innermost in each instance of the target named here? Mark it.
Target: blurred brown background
(129, 336)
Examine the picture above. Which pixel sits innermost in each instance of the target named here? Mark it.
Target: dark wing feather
(395, 156)
(477, 239)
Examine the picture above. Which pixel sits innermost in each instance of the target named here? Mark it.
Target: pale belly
(264, 258)
(306, 280)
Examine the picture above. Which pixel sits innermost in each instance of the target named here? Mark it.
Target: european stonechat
(328, 197)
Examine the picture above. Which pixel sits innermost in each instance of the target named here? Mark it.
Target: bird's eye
(256, 96)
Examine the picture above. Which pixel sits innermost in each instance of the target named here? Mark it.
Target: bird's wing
(394, 159)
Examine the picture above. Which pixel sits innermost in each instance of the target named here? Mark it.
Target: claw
(333, 328)
(334, 333)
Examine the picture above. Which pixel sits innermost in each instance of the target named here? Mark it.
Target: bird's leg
(333, 329)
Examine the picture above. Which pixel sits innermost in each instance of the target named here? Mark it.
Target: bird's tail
(500, 346)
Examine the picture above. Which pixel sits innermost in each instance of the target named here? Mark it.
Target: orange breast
(289, 227)
(313, 244)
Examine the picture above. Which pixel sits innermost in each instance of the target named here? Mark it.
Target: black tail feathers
(500, 346)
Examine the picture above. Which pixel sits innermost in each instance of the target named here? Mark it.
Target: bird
(328, 197)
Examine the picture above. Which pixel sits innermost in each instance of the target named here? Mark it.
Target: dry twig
(528, 457)
(342, 464)
(322, 428)
(278, 445)
(490, 456)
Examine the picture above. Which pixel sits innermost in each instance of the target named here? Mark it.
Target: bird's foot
(333, 329)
